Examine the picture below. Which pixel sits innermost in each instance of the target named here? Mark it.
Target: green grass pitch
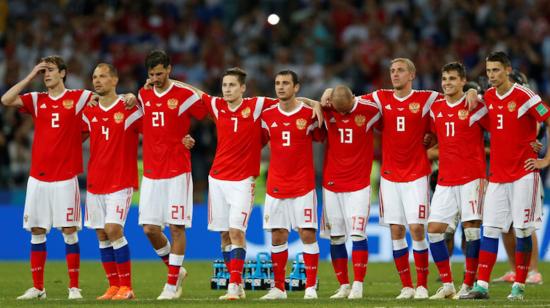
(381, 286)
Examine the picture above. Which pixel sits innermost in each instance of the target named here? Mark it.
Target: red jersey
(405, 122)
(349, 151)
(290, 172)
(239, 134)
(57, 143)
(114, 138)
(513, 121)
(460, 136)
(166, 121)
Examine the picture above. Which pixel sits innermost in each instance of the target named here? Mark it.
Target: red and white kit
(167, 188)
(53, 197)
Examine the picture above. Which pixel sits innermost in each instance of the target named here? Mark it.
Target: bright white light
(273, 19)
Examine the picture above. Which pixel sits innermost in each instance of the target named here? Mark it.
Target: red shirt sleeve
(28, 104)
(540, 111)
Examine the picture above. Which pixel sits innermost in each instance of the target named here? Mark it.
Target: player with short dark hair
(53, 196)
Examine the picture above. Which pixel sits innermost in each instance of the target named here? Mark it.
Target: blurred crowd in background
(327, 42)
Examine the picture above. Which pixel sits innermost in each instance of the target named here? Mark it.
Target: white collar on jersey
(458, 102)
(288, 114)
(402, 99)
(165, 91)
(503, 96)
(59, 96)
(355, 103)
(112, 105)
(237, 107)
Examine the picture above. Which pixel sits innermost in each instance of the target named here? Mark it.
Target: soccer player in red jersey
(513, 194)
(167, 189)
(291, 202)
(53, 197)
(235, 167)
(461, 177)
(112, 177)
(346, 184)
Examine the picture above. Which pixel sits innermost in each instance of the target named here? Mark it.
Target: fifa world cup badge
(172, 103)
(246, 112)
(463, 114)
(360, 120)
(301, 124)
(414, 107)
(512, 106)
(68, 104)
(118, 117)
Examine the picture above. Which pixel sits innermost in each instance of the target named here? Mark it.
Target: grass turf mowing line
(381, 287)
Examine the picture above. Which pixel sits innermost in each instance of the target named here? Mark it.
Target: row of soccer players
(243, 125)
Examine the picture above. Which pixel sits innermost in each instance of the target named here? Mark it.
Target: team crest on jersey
(414, 107)
(68, 103)
(172, 103)
(246, 112)
(360, 120)
(512, 106)
(119, 117)
(301, 124)
(463, 114)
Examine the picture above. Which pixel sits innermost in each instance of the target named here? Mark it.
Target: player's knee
(37, 231)
(417, 232)
(113, 231)
(397, 231)
(337, 240)
(523, 232)
(177, 231)
(492, 232)
(151, 230)
(436, 228)
(68, 230)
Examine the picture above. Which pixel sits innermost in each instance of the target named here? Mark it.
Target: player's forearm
(308, 101)
(11, 97)
(197, 90)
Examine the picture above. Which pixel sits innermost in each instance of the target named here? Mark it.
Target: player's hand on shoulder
(130, 100)
(94, 100)
(188, 142)
(325, 98)
(472, 99)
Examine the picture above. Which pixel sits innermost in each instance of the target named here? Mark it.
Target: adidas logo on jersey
(43, 106)
(148, 104)
(274, 124)
(94, 119)
(440, 115)
(332, 120)
(491, 106)
(388, 107)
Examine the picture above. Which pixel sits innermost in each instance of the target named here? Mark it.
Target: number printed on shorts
(308, 215)
(245, 214)
(176, 210)
(70, 214)
(358, 223)
(120, 211)
(473, 204)
(422, 211)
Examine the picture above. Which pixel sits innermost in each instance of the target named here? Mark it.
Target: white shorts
(404, 203)
(165, 202)
(464, 200)
(50, 204)
(291, 213)
(518, 202)
(109, 208)
(345, 213)
(229, 203)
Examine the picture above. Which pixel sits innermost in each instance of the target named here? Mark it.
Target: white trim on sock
(399, 244)
(279, 248)
(311, 248)
(38, 238)
(70, 239)
(164, 250)
(420, 245)
(435, 237)
(105, 244)
(121, 242)
(176, 260)
(472, 234)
